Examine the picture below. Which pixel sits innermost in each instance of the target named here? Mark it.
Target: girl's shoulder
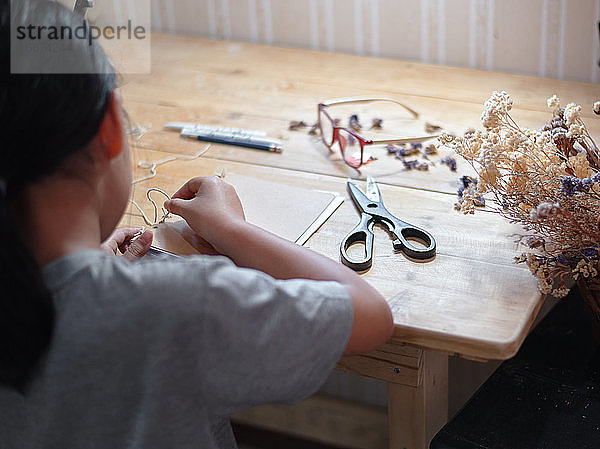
(104, 288)
(100, 273)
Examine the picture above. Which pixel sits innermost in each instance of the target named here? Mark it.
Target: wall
(555, 38)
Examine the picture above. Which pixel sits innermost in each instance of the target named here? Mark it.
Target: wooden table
(472, 300)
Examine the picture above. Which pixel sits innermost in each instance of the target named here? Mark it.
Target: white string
(165, 213)
(154, 223)
(138, 130)
(151, 165)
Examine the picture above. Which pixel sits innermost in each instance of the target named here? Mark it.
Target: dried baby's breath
(548, 181)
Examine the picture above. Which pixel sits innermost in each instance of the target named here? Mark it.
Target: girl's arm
(213, 210)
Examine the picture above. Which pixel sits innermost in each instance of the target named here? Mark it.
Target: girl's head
(53, 125)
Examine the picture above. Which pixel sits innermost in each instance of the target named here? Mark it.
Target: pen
(229, 139)
(200, 128)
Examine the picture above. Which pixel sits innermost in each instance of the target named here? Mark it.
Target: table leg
(415, 414)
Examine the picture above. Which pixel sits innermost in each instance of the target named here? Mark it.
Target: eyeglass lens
(350, 148)
(326, 128)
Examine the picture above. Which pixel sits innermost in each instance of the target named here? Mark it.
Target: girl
(100, 351)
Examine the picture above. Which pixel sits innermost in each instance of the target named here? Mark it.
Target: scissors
(373, 211)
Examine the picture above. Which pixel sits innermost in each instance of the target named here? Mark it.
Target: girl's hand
(121, 238)
(210, 206)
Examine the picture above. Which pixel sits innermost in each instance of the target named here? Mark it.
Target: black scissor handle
(361, 233)
(404, 231)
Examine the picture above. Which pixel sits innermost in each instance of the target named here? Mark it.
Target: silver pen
(233, 139)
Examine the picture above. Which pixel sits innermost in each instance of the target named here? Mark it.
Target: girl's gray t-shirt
(158, 353)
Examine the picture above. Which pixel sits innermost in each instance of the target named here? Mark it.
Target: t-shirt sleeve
(253, 339)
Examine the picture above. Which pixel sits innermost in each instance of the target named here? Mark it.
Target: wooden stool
(547, 396)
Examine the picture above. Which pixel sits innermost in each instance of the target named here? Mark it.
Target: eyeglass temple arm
(414, 113)
(406, 139)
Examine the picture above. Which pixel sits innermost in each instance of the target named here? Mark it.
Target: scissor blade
(372, 190)
(357, 195)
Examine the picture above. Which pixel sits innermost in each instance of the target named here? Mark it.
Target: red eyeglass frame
(321, 109)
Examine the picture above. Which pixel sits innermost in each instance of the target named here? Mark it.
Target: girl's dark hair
(44, 118)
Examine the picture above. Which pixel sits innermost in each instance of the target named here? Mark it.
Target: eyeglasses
(348, 139)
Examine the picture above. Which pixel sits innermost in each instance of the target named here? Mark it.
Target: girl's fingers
(119, 239)
(139, 247)
(189, 189)
(123, 236)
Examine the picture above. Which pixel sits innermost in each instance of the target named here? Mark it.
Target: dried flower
(297, 124)
(495, 108)
(560, 292)
(377, 123)
(401, 150)
(572, 113)
(415, 164)
(432, 128)
(570, 185)
(430, 149)
(597, 108)
(547, 181)
(520, 259)
(562, 260)
(533, 262)
(590, 253)
(543, 211)
(544, 283)
(585, 268)
(353, 123)
(575, 130)
(450, 162)
(468, 196)
(535, 241)
(553, 102)
(467, 181)
(446, 138)
(466, 205)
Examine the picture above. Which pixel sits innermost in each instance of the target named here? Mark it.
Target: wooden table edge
(479, 350)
